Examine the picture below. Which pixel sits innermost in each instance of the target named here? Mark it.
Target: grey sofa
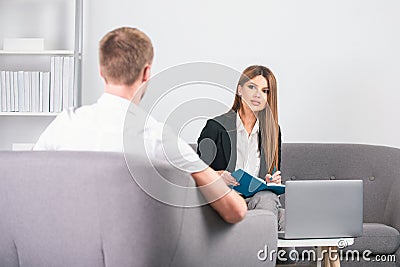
(84, 209)
(378, 167)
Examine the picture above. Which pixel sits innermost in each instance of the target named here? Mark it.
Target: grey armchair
(379, 168)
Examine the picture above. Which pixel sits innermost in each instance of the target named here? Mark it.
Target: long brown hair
(268, 117)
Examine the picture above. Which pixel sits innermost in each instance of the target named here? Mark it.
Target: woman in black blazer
(250, 132)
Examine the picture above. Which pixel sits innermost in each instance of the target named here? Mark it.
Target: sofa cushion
(378, 238)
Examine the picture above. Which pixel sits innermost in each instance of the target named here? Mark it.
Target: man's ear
(146, 73)
(102, 75)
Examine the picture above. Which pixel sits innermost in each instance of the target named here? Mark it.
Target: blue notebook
(249, 185)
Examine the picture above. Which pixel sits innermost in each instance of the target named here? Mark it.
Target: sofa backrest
(80, 209)
(377, 166)
(85, 209)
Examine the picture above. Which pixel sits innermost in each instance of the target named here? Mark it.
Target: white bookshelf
(30, 114)
(60, 24)
(44, 52)
(42, 60)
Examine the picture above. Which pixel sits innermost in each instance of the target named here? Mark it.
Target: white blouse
(248, 154)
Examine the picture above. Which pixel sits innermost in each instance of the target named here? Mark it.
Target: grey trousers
(267, 200)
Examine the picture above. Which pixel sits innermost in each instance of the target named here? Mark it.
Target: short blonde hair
(123, 54)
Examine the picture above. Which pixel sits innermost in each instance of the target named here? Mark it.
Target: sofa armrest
(206, 240)
(392, 214)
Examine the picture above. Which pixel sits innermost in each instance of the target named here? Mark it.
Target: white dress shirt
(248, 154)
(100, 127)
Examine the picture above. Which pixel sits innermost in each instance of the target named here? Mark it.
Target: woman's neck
(248, 118)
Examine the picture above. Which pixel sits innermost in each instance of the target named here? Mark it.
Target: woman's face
(254, 93)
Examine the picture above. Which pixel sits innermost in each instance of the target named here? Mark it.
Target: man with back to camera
(125, 57)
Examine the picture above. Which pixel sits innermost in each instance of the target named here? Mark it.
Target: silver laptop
(323, 209)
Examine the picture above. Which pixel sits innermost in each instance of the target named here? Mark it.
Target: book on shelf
(1, 94)
(27, 91)
(21, 91)
(37, 103)
(8, 91)
(57, 85)
(46, 91)
(40, 107)
(68, 82)
(249, 185)
(52, 76)
(59, 106)
(71, 90)
(65, 82)
(16, 91)
(34, 91)
(12, 95)
(3, 91)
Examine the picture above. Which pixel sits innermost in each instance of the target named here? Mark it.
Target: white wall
(337, 62)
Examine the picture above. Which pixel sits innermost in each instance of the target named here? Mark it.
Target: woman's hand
(228, 178)
(275, 178)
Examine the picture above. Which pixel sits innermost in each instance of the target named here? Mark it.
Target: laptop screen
(323, 208)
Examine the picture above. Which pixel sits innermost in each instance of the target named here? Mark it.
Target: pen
(273, 171)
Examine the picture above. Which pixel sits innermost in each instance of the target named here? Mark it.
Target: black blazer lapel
(229, 146)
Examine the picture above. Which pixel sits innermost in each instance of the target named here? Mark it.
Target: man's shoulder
(73, 113)
(140, 123)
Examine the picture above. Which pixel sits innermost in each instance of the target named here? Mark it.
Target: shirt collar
(240, 126)
(114, 100)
